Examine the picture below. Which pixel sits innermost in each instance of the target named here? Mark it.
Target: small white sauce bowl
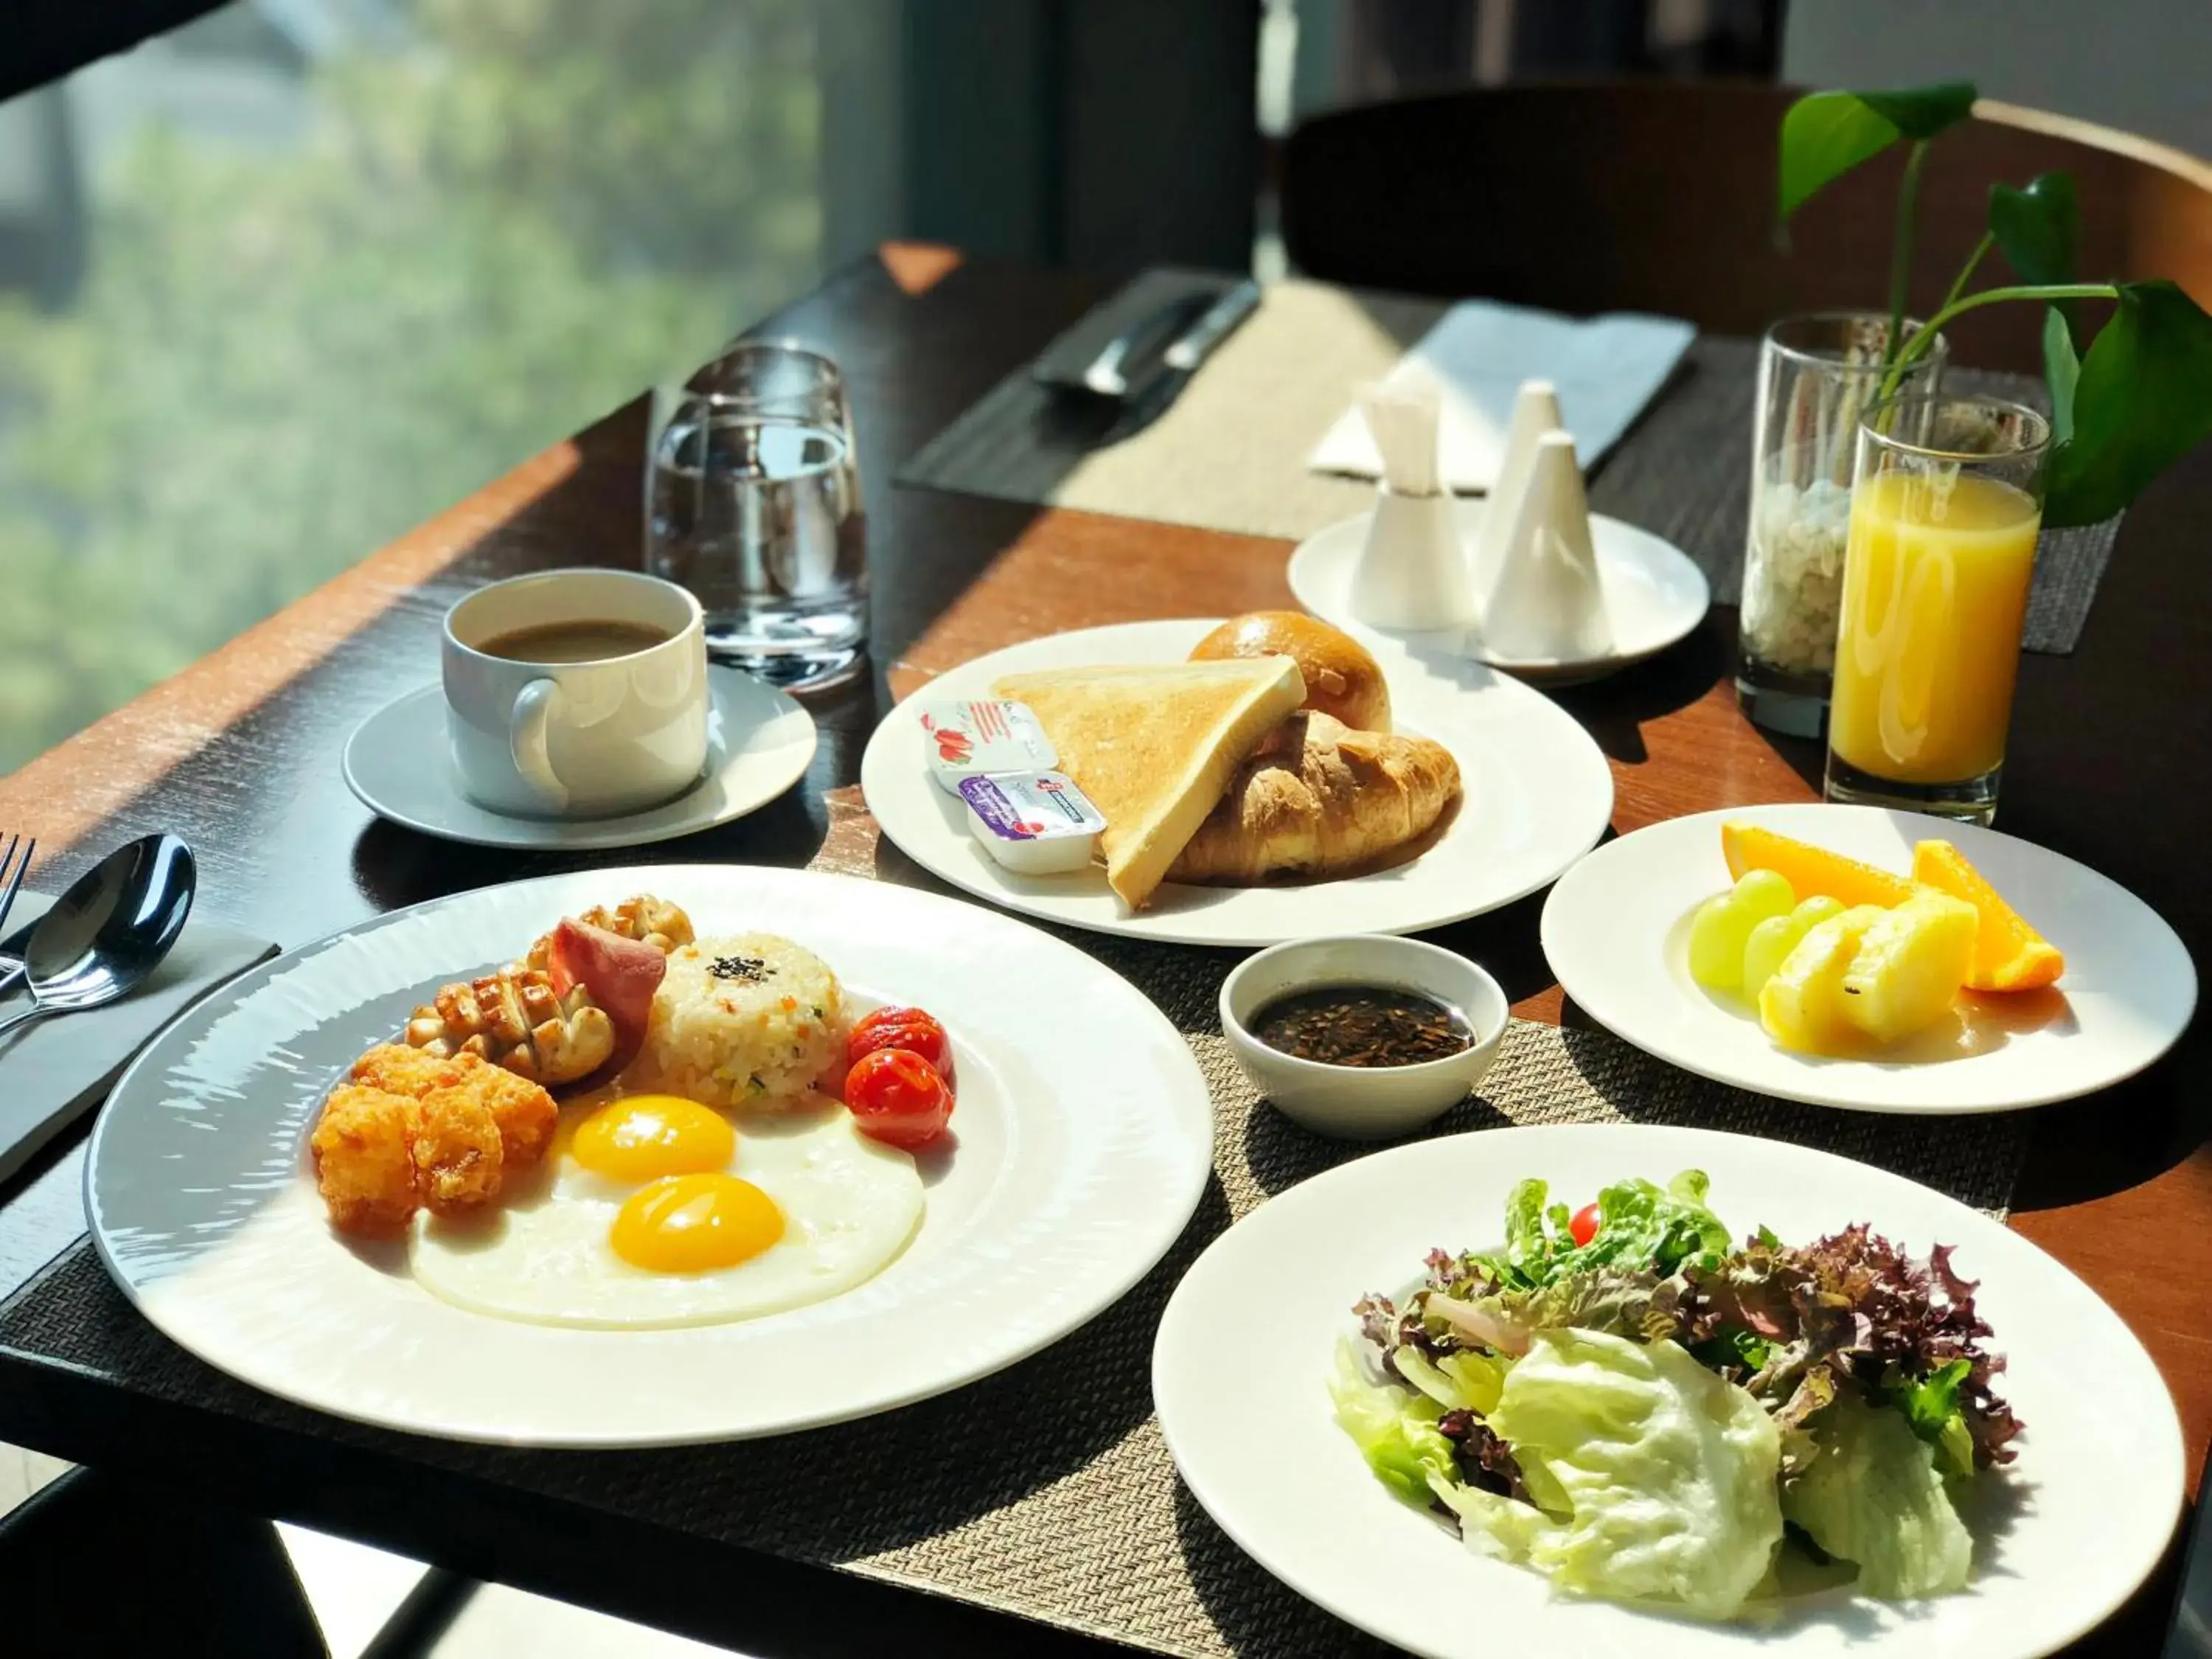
(1362, 1103)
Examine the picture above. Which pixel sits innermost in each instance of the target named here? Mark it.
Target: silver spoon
(107, 934)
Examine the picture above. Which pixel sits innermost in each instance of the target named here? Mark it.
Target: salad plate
(1537, 793)
(1616, 932)
(2054, 1548)
(1082, 1141)
(1655, 595)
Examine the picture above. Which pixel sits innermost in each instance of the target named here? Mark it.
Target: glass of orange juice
(1947, 500)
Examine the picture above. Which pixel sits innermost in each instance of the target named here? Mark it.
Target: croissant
(515, 1019)
(1319, 799)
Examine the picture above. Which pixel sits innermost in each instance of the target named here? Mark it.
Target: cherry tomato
(1584, 1227)
(901, 1028)
(897, 1097)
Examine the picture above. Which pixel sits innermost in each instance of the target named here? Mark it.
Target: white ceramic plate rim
(1321, 567)
(1086, 1142)
(1256, 1442)
(1529, 772)
(1609, 934)
(741, 778)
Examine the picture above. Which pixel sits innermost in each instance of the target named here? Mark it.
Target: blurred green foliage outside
(280, 361)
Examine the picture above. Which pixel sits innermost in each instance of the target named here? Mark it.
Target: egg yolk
(689, 1224)
(647, 1136)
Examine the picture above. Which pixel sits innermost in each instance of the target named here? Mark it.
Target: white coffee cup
(577, 739)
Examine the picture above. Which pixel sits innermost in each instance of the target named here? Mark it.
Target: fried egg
(654, 1210)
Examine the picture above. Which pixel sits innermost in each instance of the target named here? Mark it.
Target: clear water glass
(1817, 374)
(753, 503)
(1947, 504)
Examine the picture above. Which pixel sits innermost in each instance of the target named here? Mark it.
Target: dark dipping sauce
(1363, 1026)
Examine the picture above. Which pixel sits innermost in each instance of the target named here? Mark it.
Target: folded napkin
(1606, 368)
(57, 1068)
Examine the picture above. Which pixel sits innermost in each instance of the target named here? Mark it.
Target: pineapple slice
(1910, 963)
(1803, 1006)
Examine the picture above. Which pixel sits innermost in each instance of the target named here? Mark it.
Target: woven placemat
(1047, 1490)
(1230, 453)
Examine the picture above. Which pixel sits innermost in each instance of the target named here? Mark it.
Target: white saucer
(1654, 596)
(759, 743)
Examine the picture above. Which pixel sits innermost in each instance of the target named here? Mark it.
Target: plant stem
(1965, 274)
(2042, 293)
(1900, 252)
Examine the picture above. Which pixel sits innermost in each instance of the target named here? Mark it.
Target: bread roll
(1342, 681)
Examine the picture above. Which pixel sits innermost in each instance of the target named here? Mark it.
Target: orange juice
(1936, 575)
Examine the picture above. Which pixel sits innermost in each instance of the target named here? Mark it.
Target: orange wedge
(1813, 871)
(2009, 954)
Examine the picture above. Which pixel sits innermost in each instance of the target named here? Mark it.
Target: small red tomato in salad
(1584, 1227)
(897, 1097)
(901, 1028)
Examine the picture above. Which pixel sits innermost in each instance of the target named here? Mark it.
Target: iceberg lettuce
(1395, 1428)
(1662, 1475)
(1872, 1494)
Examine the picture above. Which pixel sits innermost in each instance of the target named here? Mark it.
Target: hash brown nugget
(523, 1111)
(456, 1148)
(364, 1159)
(400, 1070)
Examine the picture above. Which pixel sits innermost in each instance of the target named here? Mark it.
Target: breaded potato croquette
(523, 1110)
(456, 1148)
(400, 1070)
(364, 1159)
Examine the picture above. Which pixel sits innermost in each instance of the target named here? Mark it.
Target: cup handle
(526, 738)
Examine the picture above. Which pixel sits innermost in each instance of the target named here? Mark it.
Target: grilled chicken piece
(646, 918)
(516, 1019)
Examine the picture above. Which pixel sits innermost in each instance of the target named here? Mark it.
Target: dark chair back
(1654, 196)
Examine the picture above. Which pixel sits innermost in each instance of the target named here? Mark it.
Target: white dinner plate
(1616, 933)
(2062, 1535)
(1654, 596)
(399, 765)
(1536, 794)
(1083, 1138)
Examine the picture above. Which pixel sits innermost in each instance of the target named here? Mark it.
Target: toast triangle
(1154, 746)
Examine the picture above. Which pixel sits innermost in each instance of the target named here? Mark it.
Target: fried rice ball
(403, 1071)
(456, 1148)
(523, 1110)
(365, 1161)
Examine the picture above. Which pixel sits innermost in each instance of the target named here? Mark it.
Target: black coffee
(574, 641)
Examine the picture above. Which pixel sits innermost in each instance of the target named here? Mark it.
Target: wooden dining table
(239, 754)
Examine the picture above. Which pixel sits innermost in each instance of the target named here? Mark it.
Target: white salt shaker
(1548, 602)
(1412, 574)
(1536, 411)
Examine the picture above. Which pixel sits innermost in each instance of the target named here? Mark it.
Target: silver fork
(12, 868)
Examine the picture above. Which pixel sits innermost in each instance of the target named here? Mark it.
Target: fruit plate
(1616, 932)
(2080, 1519)
(1083, 1137)
(1535, 795)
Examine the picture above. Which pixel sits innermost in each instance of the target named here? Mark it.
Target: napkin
(55, 1069)
(1606, 368)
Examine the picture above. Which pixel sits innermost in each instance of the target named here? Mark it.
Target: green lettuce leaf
(1464, 1381)
(1642, 1228)
(1872, 1494)
(1663, 1475)
(1395, 1428)
(1933, 1410)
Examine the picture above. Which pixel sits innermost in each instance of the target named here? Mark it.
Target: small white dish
(759, 743)
(1537, 795)
(2072, 1528)
(1362, 1103)
(1616, 932)
(1654, 596)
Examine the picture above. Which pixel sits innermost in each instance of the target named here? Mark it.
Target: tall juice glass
(1946, 501)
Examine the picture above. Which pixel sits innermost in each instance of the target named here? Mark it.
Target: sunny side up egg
(655, 1212)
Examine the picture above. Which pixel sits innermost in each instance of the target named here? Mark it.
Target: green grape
(1763, 893)
(1766, 948)
(1814, 911)
(1716, 936)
